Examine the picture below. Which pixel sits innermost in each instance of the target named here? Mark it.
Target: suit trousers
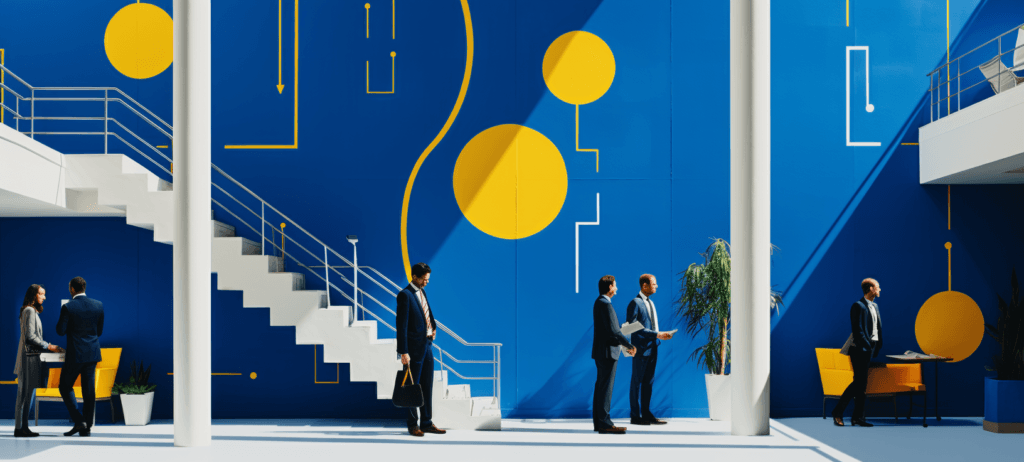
(640, 385)
(68, 374)
(603, 392)
(423, 374)
(856, 390)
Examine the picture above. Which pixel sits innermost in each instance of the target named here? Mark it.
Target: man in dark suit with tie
(81, 319)
(866, 324)
(415, 336)
(607, 339)
(642, 310)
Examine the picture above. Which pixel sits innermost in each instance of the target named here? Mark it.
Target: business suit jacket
(645, 339)
(31, 336)
(411, 337)
(607, 335)
(860, 325)
(81, 319)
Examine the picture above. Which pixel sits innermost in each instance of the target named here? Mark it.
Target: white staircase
(116, 181)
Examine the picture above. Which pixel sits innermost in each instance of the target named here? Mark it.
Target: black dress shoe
(25, 433)
(838, 421)
(656, 421)
(613, 431)
(80, 428)
(860, 423)
(633, 421)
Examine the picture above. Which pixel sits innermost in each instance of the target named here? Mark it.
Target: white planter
(137, 409)
(719, 396)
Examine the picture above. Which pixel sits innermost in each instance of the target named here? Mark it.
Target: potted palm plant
(704, 304)
(1004, 393)
(136, 396)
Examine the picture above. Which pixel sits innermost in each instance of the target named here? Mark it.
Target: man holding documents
(641, 310)
(607, 339)
(865, 342)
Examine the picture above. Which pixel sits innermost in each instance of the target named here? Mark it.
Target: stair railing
(121, 99)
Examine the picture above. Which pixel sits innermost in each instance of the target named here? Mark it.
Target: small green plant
(1009, 333)
(138, 382)
(705, 298)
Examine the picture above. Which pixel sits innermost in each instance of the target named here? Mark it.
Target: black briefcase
(407, 393)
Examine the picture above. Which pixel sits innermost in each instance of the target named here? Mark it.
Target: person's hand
(664, 336)
(53, 348)
(432, 336)
(405, 359)
(632, 351)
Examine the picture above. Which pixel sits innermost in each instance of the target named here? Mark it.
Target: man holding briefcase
(416, 332)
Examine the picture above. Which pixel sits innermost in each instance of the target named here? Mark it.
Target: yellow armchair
(106, 371)
(884, 380)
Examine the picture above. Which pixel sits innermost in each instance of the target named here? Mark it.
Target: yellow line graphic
(949, 263)
(908, 144)
(315, 380)
(280, 86)
(392, 19)
(216, 373)
(295, 142)
(437, 139)
(367, 6)
(392, 78)
(597, 160)
(847, 13)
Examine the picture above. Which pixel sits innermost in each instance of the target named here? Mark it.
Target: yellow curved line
(437, 139)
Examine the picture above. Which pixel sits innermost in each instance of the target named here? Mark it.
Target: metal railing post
(497, 375)
(32, 123)
(327, 277)
(999, 57)
(263, 223)
(355, 279)
(958, 76)
(106, 119)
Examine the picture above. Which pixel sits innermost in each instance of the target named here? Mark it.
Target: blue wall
(839, 213)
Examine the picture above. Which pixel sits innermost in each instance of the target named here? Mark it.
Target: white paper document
(671, 332)
(630, 327)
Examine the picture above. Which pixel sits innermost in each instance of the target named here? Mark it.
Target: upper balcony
(977, 115)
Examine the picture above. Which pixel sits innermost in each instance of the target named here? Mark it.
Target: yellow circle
(252, 376)
(578, 67)
(367, 6)
(510, 181)
(140, 40)
(392, 54)
(949, 245)
(950, 324)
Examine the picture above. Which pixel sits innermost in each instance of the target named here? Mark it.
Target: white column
(192, 236)
(750, 217)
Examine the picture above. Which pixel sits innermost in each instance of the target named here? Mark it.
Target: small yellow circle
(139, 40)
(578, 67)
(950, 324)
(949, 245)
(392, 54)
(252, 376)
(510, 181)
(367, 6)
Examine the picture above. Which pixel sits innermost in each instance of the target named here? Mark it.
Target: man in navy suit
(81, 319)
(866, 324)
(416, 332)
(642, 310)
(605, 351)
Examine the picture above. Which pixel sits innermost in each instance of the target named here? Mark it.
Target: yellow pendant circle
(140, 40)
(510, 181)
(578, 67)
(950, 324)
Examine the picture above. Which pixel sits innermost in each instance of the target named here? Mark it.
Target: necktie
(426, 312)
(652, 314)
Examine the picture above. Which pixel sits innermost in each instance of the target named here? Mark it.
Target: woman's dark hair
(30, 298)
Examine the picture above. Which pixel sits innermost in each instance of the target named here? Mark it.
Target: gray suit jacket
(31, 334)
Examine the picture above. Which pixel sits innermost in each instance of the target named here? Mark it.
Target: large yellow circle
(510, 181)
(578, 67)
(140, 40)
(950, 324)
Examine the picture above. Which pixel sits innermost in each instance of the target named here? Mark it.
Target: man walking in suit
(642, 310)
(866, 324)
(607, 339)
(416, 332)
(81, 319)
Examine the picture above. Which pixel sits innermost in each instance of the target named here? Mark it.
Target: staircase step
(458, 392)
(250, 247)
(221, 229)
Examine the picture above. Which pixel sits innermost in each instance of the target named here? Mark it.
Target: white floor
(315, 440)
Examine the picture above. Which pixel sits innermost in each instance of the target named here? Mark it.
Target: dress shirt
(426, 308)
(874, 320)
(651, 312)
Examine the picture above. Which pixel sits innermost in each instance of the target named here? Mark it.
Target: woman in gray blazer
(31, 338)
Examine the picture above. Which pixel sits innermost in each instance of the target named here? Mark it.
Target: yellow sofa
(884, 380)
(106, 370)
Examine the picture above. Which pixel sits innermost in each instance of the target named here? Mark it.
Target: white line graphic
(867, 95)
(584, 223)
